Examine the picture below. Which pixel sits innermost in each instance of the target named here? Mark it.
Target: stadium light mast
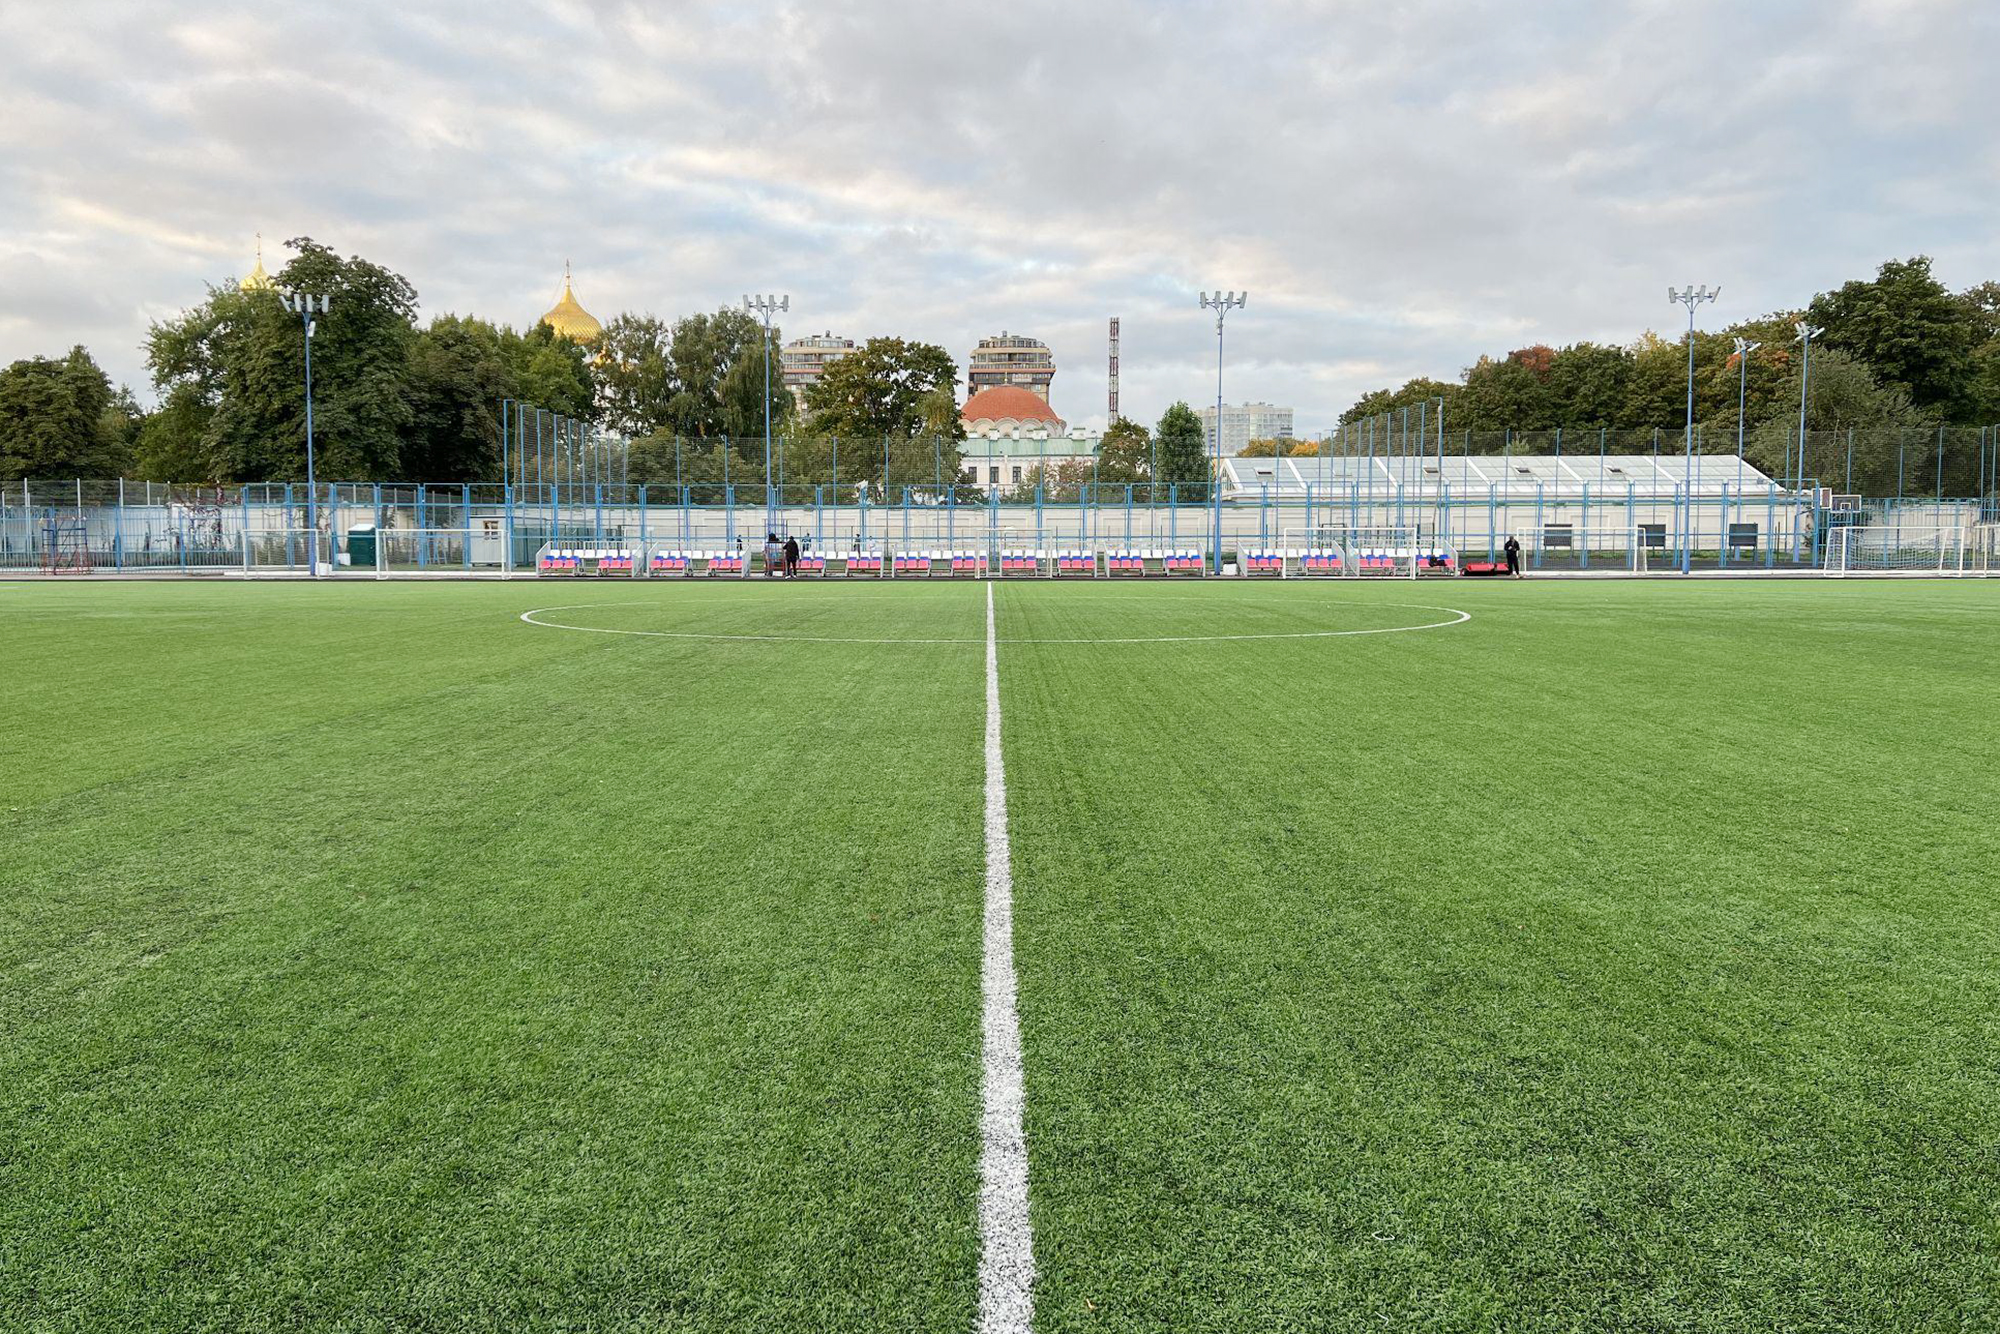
(305, 305)
(764, 307)
(1690, 297)
(1744, 347)
(1221, 303)
(1806, 334)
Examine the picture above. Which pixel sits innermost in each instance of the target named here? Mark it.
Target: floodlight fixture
(1806, 334)
(764, 306)
(306, 305)
(1221, 303)
(1691, 297)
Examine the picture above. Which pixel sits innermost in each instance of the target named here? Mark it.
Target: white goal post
(1893, 548)
(1626, 548)
(418, 553)
(1400, 552)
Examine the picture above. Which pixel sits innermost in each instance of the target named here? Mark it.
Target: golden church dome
(571, 320)
(258, 281)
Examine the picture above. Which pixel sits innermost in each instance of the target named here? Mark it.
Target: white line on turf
(1457, 618)
(1006, 1242)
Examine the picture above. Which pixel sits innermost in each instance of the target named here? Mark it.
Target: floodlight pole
(1690, 297)
(1221, 303)
(1744, 347)
(1806, 334)
(305, 305)
(764, 307)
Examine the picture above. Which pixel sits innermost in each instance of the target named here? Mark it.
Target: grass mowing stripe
(1007, 1250)
(502, 980)
(1619, 961)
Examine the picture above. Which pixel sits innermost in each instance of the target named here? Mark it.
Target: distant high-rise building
(803, 360)
(1244, 422)
(1011, 359)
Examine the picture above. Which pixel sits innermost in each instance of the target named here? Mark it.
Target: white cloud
(1401, 187)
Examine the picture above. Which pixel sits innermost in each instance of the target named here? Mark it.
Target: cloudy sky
(1400, 186)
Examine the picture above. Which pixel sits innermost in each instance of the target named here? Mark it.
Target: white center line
(1007, 1244)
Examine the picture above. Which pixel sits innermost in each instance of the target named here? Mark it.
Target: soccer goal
(279, 552)
(1354, 553)
(1891, 548)
(416, 553)
(1627, 549)
(1982, 550)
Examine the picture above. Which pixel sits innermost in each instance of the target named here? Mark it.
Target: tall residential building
(1011, 359)
(803, 360)
(1244, 422)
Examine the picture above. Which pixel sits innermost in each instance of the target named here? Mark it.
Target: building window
(993, 473)
(1017, 473)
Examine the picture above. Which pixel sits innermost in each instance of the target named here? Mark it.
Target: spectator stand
(1150, 562)
(579, 562)
(858, 564)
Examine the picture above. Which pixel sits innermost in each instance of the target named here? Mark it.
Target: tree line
(1897, 357)
(394, 399)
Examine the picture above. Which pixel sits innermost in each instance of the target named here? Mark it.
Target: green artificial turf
(371, 960)
(1621, 958)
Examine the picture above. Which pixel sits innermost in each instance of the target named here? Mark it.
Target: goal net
(1982, 549)
(416, 553)
(1897, 549)
(285, 551)
(1354, 553)
(1628, 549)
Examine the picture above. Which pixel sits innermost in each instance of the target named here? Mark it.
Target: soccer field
(1441, 955)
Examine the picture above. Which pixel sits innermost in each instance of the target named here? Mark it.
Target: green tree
(893, 406)
(551, 372)
(885, 387)
(1910, 331)
(635, 375)
(1509, 394)
(702, 350)
(744, 387)
(241, 355)
(458, 374)
(172, 444)
(1125, 452)
(1414, 394)
(1846, 394)
(1059, 483)
(1587, 384)
(55, 419)
(1183, 454)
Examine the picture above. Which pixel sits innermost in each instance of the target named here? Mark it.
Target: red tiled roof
(1008, 402)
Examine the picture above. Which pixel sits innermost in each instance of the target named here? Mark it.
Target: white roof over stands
(1519, 474)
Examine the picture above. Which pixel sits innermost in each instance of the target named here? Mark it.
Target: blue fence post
(1771, 525)
(1584, 524)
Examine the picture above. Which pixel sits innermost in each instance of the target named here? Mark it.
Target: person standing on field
(1513, 550)
(791, 557)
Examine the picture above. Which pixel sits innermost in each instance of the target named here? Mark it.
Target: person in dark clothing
(1513, 550)
(791, 557)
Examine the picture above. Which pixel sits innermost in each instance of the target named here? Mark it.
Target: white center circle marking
(1453, 617)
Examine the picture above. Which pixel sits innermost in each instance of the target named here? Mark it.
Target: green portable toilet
(361, 546)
